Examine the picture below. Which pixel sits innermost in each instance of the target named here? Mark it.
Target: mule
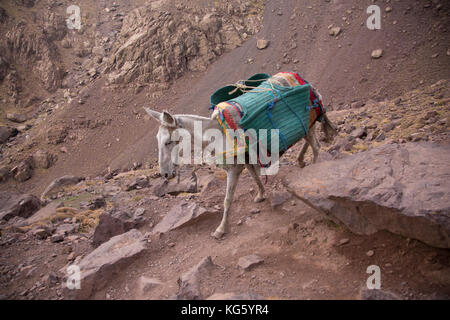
(168, 123)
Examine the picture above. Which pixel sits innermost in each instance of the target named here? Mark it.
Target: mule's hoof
(217, 234)
(259, 199)
(301, 164)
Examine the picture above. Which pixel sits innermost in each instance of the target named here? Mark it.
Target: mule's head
(167, 124)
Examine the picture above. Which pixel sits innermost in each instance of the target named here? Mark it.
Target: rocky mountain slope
(78, 168)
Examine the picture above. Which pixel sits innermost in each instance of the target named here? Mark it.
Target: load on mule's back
(285, 102)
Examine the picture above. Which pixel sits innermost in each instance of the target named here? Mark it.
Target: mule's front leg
(232, 179)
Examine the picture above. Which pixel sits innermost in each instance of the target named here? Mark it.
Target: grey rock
(249, 262)
(57, 237)
(262, 44)
(139, 212)
(277, 198)
(335, 31)
(376, 54)
(190, 282)
(359, 133)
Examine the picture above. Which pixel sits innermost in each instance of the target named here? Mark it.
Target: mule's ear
(168, 120)
(154, 114)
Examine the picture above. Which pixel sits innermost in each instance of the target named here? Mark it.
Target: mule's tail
(328, 128)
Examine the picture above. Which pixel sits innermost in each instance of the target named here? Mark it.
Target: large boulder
(14, 204)
(98, 267)
(404, 189)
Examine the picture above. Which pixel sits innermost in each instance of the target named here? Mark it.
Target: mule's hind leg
(232, 178)
(310, 140)
(301, 155)
(252, 170)
(315, 145)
